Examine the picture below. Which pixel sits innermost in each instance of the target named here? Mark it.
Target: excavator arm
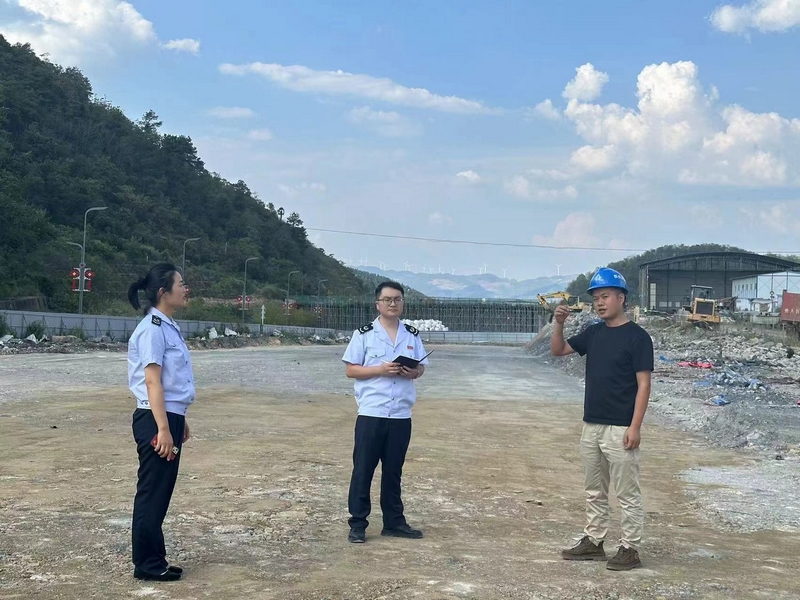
(572, 303)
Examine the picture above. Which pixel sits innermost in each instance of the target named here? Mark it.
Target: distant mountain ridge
(443, 285)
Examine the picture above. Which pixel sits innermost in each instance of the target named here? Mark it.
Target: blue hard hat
(607, 278)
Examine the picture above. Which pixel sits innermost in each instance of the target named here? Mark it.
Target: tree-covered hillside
(64, 150)
(629, 267)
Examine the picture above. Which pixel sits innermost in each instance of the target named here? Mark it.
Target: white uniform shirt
(385, 396)
(157, 340)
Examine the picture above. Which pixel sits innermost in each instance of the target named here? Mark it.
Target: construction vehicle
(573, 303)
(702, 309)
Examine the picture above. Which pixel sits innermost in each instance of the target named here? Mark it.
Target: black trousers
(154, 490)
(384, 440)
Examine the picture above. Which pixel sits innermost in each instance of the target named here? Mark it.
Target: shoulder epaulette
(365, 328)
(411, 330)
(156, 320)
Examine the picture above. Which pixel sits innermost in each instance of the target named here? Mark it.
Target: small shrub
(4, 328)
(35, 328)
(77, 332)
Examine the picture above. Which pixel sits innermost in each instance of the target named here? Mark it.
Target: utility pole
(82, 266)
(244, 286)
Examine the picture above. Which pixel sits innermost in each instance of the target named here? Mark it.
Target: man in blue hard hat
(619, 363)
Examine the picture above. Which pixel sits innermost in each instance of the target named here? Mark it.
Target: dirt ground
(493, 477)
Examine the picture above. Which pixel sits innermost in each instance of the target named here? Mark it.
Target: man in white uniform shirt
(385, 393)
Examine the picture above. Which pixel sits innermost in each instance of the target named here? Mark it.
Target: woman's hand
(186, 433)
(164, 444)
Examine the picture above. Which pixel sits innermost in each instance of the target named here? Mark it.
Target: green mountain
(64, 150)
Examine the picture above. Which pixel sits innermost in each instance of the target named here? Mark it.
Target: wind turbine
(406, 267)
(453, 271)
(504, 273)
(485, 268)
(440, 268)
(558, 267)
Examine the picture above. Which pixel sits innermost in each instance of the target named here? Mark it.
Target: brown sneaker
(625, 560)
(585, 550)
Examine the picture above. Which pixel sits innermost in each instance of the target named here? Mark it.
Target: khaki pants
(605, 459)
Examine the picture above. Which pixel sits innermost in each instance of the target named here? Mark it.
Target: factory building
(665, 285)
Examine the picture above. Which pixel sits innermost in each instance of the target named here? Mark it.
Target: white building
(765, 288)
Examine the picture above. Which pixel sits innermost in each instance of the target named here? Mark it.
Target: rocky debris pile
(58, 344)
(727, 347)
(576, 323)
(426, 324)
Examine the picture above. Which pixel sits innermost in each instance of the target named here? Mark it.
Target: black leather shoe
(165, 576)
(404, 531)
(357, 536)
(173, 569)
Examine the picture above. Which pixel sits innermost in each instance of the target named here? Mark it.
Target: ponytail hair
(160, 276)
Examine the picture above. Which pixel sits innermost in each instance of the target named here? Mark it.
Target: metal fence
(457, 314)
(121, 328)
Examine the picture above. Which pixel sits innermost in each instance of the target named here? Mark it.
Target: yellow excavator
(573, 303)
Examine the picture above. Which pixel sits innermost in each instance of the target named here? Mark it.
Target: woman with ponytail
(160, 378)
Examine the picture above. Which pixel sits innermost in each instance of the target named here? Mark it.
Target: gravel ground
(493, 477)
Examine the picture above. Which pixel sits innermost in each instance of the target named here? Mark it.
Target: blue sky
(610, 125)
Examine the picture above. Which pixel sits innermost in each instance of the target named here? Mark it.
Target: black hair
(391, 285)
(160, 276)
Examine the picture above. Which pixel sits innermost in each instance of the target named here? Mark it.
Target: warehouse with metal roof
(666, 284)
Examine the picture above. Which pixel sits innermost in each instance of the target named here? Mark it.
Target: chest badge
(410, 347)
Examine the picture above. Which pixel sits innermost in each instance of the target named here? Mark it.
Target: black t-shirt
(613, 357)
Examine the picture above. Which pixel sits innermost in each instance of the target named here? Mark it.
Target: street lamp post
(82, 266)
(289, 287)
(319, 284)
(244, 285)
(183, 264)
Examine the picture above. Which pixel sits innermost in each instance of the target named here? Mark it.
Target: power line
(508, 244)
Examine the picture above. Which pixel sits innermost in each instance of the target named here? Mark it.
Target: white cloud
(519, 186)
(470, 176)
(593, 160)
(184, 45)
(73, 30)
(576, 229)
(587, 85)
(231, 112)
(259, 135)
(522, 187)
(387, 123)
(299, 78)
(782, 218)
(674, 133)
(763, 15)
(295, 190)
(440, 219)
(546, 109)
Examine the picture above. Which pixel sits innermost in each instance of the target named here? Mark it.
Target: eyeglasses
(389, 301)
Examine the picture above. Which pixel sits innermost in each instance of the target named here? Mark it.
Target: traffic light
(239, 301)
(75, 275)
(87, 279)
